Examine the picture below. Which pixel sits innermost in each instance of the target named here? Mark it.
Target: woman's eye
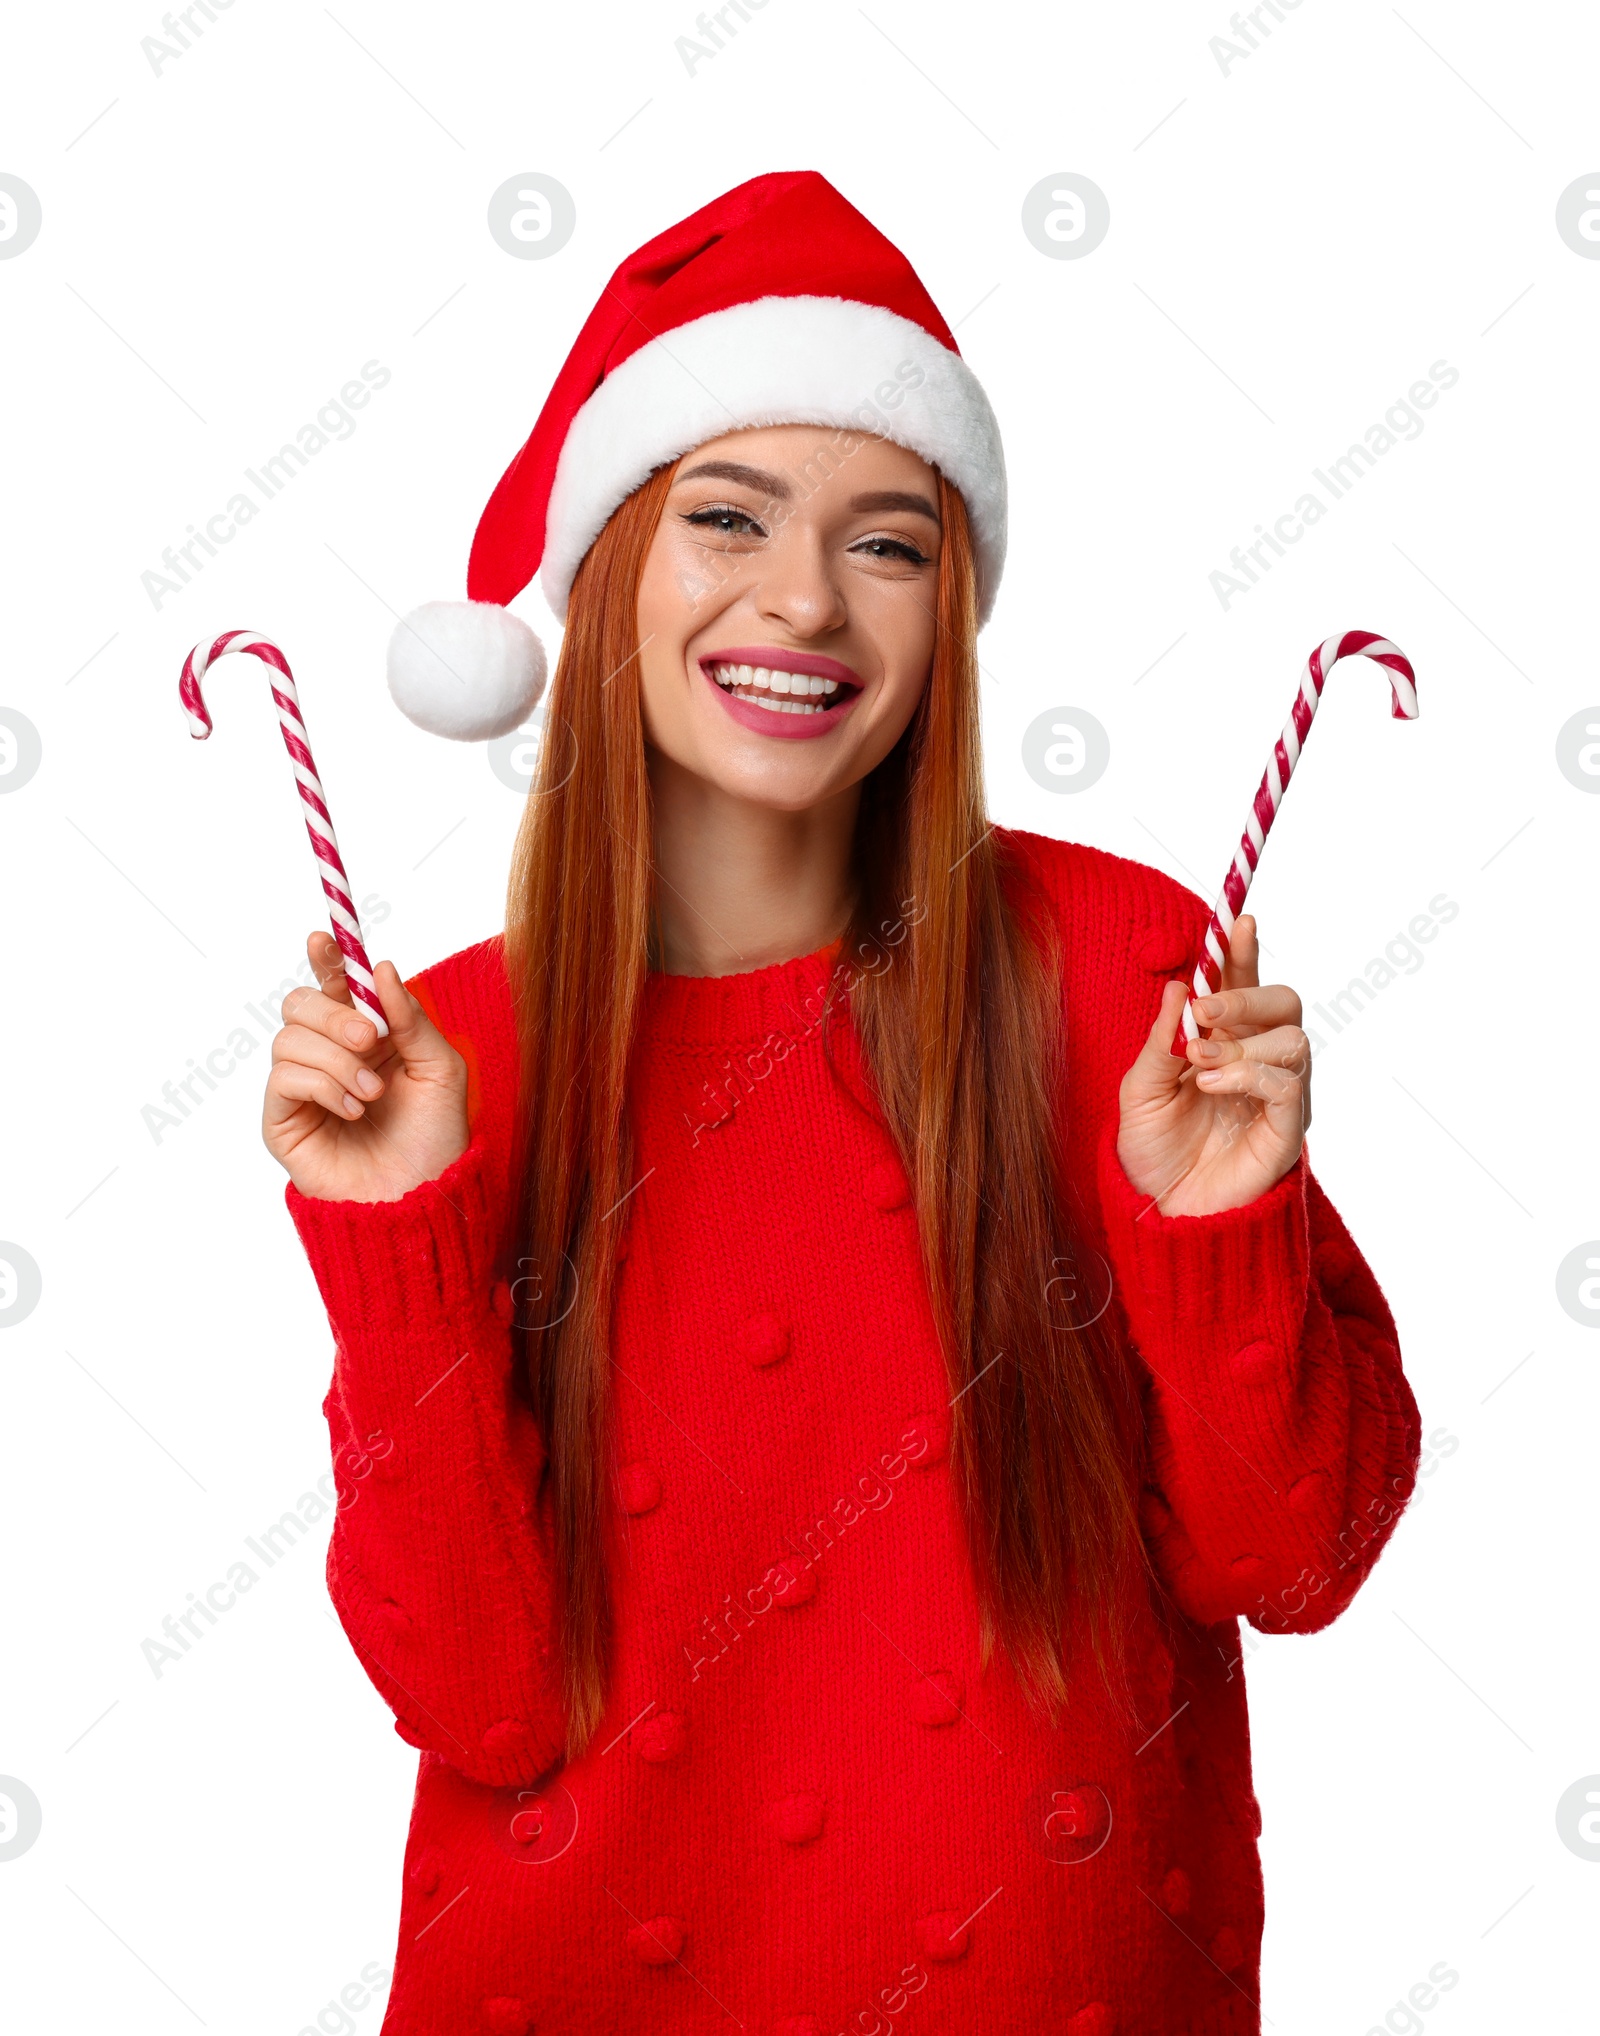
(726, 521)
(892, 547)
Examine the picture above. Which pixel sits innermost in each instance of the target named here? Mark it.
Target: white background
(1292, 244)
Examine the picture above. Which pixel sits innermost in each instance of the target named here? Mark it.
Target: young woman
(819, 1381)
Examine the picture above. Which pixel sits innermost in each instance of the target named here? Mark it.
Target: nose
(799, 589)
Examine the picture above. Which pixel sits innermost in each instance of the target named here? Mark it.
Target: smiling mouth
(781, 692)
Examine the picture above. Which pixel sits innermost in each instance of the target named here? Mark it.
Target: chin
(780, 786)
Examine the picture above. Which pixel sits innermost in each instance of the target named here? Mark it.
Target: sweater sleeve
(437, 1566)
(1282, 1436)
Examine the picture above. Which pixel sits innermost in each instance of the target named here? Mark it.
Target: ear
(470, 670)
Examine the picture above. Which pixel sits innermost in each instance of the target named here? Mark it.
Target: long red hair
(961, 1037)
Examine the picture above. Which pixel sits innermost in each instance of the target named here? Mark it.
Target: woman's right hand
(349, 1116)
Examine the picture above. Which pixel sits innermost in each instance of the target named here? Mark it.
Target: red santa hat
(777, 303)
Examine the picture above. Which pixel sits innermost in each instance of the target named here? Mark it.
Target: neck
(740, 886)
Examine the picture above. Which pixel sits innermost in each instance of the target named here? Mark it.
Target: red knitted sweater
(807, 1810)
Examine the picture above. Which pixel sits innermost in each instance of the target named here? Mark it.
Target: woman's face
(786, 610)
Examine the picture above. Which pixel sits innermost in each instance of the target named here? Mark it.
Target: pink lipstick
(785, 693)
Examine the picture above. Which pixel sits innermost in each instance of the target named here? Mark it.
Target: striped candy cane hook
(1269, 796)
(319, 824)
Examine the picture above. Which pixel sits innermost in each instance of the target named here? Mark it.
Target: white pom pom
(467, 669)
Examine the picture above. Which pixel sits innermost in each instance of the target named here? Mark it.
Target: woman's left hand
(1217, 1132)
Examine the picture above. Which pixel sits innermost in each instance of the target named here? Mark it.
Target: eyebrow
(881, 501)
(888, 499)
(772, 485)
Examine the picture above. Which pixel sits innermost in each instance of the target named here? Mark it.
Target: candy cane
(1274, 783)
(319, 824)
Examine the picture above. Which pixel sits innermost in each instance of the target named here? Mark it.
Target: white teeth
(758, 682)
(786, 706)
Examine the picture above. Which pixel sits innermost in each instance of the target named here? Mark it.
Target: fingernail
(1210, 1074)
(353, 1105)
(357, 1032)
(367, 1082)
(1208, 1007)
